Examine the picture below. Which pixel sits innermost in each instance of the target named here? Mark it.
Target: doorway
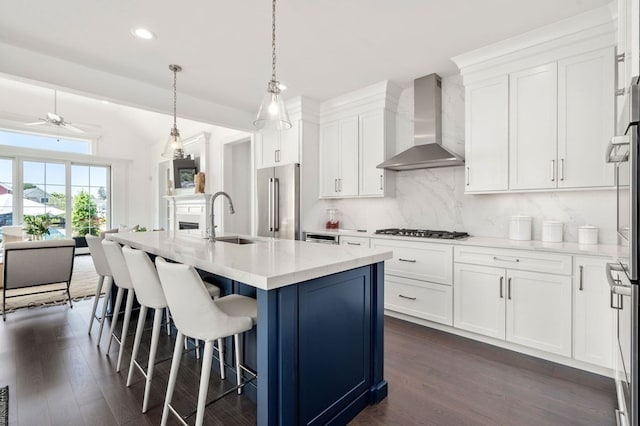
(237, 178)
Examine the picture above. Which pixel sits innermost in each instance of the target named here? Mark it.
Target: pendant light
(174, 148)
(273, 113)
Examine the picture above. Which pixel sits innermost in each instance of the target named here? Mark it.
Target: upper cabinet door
(329, 159)
(533, 128)
(289, 150)
(348, 179)
(269, 149)
(487, 135)
(585, 119)
(372, 150)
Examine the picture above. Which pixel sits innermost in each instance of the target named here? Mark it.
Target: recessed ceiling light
(143, 33)
(105, 102)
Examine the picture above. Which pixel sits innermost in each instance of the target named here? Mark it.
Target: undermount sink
(234, 240)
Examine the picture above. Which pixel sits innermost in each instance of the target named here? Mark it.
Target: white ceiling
(325, 48)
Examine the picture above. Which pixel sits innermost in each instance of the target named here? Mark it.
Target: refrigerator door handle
(276, 204)
(270, 208)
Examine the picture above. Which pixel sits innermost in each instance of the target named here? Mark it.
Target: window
(6, 193)
(89, 188)
(51, 143)
(44, 193)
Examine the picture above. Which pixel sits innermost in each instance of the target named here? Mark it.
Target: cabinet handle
(619, 59)
(505, 259)
(381, 177)
(553, 170)
(501, 288)
(275, 156)
(467, 176)
(406, 297)
(407, 260)
(339, 184)
(562, 169)
(580, 268)
(335, 185)
(509, 288)
(353, 244)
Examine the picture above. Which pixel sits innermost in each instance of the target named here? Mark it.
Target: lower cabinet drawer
(422, 299)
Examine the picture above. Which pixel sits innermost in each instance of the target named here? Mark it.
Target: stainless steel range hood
(428, 151)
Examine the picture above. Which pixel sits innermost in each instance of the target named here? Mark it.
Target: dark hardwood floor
(57, 376)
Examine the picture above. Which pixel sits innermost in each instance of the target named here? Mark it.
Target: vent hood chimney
(428, 151)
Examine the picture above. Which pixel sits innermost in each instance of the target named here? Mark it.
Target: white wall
(434, 198)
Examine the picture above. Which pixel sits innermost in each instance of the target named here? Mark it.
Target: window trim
(90, 140)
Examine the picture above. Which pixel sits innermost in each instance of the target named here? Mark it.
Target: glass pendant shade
(272, 114)
(173, 148)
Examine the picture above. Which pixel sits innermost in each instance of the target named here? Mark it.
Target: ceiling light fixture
(174, 148)
(143, 33)
(273, 113)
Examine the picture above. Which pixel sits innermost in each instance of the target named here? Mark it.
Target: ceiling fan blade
(36, 123)
(68, 126)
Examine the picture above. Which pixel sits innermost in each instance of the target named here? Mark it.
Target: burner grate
(423, 233)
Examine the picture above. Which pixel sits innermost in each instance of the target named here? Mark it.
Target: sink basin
(234, 240)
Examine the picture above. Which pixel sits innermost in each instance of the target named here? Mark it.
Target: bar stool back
(196, 315)
(104, 273)
(122, 280)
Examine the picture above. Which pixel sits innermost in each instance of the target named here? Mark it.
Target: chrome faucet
(211, 231)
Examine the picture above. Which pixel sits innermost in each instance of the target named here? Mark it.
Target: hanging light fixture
(272, 113)
(174, 148)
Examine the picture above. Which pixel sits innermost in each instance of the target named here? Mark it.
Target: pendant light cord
(175, 73)
(273, 41)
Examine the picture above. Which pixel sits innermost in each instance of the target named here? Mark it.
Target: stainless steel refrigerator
(278, 206)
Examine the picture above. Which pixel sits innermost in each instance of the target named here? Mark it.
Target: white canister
(588, 234)
(520, 228)
(551, 231)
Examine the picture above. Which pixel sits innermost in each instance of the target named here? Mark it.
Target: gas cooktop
(423, 233)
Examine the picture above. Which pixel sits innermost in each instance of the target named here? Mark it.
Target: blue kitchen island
(318, 345)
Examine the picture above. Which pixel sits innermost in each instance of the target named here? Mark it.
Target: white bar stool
(104, 273)
(196, 315)
(150, 295)
(122, 280)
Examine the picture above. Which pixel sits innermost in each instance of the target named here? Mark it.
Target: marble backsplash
(435, 199)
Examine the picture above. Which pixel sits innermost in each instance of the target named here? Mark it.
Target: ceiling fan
(53, 119)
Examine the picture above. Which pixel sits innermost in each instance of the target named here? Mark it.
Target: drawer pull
(407, 260)
(406, 297)
(505, 259)
(353, 244)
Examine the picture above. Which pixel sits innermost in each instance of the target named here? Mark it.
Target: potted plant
(37, 226)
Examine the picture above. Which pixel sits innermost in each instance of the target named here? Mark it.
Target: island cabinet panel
(320, 358)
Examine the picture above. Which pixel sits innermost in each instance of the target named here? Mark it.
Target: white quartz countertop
(604, 250)
(266, 264)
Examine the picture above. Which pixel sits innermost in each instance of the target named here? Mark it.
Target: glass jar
(332, 219)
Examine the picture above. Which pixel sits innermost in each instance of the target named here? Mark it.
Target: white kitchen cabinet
(494, 296)
(538, 313)
(420, 299)
(418, 280)
(280, 147)
(487, 135)
(585, 119)
(354, 241)
(372, 152)
(478, 299)
(593, 318)
(533, 127)
(339, 158)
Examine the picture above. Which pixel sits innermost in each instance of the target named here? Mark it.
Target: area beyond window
(49, 143)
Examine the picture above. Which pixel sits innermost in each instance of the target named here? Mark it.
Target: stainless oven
(623, 274)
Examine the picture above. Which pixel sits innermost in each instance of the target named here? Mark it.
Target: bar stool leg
(155, 335)
(236, 342)
(131, 295)
(114, 318)
(95, 302)
(204, 381)
(173, 374)
(166, 310)
(105, 304)
(221, 358)
(136, 343)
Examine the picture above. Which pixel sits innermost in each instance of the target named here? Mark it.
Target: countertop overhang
(267, 264)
